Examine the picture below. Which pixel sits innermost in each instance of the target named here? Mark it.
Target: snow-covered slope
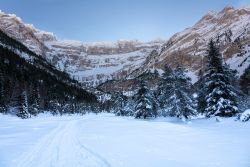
(229, 27)
(109, 141)
(26, 33)
(90, 63)
(94, 63)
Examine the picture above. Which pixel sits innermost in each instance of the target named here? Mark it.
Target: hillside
(29, 84)
(89, 63)
(94, 63)
(230, 28)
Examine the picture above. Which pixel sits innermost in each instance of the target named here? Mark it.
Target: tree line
(215, 94)
(30, 87)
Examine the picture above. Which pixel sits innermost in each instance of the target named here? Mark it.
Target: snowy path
(105, 140)
(61, 148)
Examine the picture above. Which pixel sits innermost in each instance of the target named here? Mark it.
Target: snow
(117, 62)
(245, 116)
(193, 76)
(105, 140)
(240, 63)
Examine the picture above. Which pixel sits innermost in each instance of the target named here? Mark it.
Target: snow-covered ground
(105, 140)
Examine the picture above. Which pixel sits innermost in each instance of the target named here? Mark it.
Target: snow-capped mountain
(89, 63)
(26, 33)
(229, 27)
(94, 63)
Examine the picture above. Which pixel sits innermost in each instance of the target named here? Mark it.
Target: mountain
(94, 63)
(89, 63)
(230, 28)
(122, 61)
(29, 84)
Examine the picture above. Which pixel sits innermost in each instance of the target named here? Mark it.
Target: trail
(61, 148)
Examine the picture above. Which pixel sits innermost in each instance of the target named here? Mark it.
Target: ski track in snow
(100, 140)
(61, 148)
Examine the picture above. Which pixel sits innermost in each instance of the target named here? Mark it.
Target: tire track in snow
(61, 148)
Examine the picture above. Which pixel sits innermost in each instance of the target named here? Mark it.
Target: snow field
(105, 140)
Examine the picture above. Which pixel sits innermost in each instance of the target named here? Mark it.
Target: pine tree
(180, 101)
(174, 94)
(201, 99)
(129, 108)
(3, 108)
(144, 102)
(34, 100)
(165, 89)
(55, 107)
(220, 95)
(119, 104)
(245, 81)
(23, 111)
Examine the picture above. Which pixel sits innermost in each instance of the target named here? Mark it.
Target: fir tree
(129, 107)
(34, 100)
(220, 95)
(174, 94)
(144, 102)
(245, 81)
(119, 104)
(201, 99)
(3, 108)
(165, 89)
(23, 111)
(180, 101)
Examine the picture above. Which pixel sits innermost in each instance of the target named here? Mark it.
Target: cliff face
(90, 63)
(94, 63)
(230, 28)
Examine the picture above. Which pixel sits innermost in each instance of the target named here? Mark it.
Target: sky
(111, 20)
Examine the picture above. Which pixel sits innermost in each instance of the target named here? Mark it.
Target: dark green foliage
(175, 96)
(201, 99)
(245, 81)
(219, 94)
(32, 85)
(3, 108)
(23, 106)
(144, 102)
(119, 104)
(165, 89)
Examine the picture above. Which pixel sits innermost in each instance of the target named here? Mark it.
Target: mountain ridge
(94, 63)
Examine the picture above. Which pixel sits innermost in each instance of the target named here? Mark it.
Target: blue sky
(110, 20)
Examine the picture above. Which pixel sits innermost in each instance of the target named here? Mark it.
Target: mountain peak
(227, 9)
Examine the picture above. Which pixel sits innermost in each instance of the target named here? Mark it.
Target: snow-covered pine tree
(129, 108)
(220, 96)
(180, 102)
(165, 89)
(3, 108)
(34, 99)
(245, 81)
(55, 107)
(119, 104)
(201, 98)
(144, 102)
(23, 110)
